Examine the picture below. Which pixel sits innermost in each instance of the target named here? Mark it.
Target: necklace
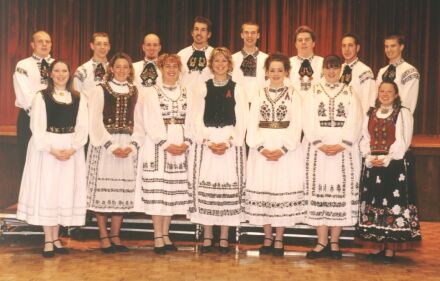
(169, 88)
(385, 109)
(119, 84)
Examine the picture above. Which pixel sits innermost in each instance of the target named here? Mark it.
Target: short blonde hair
(221, 51)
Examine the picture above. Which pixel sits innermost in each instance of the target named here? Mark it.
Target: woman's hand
(218, 148)
(331, 150)
(272, 155)
(62, 154)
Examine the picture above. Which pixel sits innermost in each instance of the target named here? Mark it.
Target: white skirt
(162, 182)
(331, 187)
(274, 189)
(216, 182)
(53, 192)
(111, 180)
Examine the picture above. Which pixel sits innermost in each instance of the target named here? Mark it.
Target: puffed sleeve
(155, 127)
(364, 143)
(309, 120)
(199, 131)
(353, 123)
(78, 78)
(138, 136)
(38, 124)
(241, 117)
(404, 132)
(409, 91)
(23, 92)
(254, 138)
(292, 135)
(188, 138)
(82, 125)
(99, 136)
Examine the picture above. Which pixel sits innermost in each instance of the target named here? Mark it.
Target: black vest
(219, 105)
(61, 117)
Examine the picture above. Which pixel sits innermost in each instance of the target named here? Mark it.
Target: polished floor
(21, 260)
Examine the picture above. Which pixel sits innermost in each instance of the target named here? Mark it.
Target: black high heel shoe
(278, 252)
(266, 250)
(170, 247)
(159, 250)
(389, 259)
(337, 255)
(376, 256)
(61, 251)
(209, 248)
(118, 247)
(48, 254)
(109, 249)
(224, 249)
(318, 254)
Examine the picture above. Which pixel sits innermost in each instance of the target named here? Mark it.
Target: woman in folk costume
(332, 122)
(53, 187)
(112, 156)
(161, 130)
(388, 219)
(274, 192)
(217, 159)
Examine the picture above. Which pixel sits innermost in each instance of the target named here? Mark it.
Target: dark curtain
(71, 23)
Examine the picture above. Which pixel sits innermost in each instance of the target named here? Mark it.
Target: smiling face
(250, 35)
(393, 50)
(41, 44)
(60, 75)
(276, 74)
(151, 46)
(331, 74)
(121, 70)
(100, 47)
(387, 94)
(200, 34)
(304, 44)
(349, 49)
(220, 65)
(170, 72)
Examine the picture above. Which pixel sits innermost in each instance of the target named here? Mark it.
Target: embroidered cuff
(188, 141)
(284, 149)
(346, 142)
(316, 142)
(260, 148)
(107, 144)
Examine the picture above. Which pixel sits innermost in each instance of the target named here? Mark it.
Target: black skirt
(388, 211)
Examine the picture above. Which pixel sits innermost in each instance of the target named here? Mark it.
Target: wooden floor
(21, 260)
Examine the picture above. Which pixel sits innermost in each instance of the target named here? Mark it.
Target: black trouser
(23, 135)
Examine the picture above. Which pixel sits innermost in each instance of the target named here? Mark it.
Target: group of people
(328, 145)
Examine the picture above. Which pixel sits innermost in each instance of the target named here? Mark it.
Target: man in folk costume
(30, 76)
(146, 73)
(91, 73)
(357, 74)
(195, 57)
(399, 71)
(306, 66)
(249, 62)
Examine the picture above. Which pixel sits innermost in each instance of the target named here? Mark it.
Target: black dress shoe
(118, 247)
(278, 252)
(107, 250)
(48, 254)
(170, 247)
(376, 256)
(318, 254)
(224, 249)
(336, 255)
(266, 250)
(159, 250)
(389, 259)
(61, 251)
(209, 248)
